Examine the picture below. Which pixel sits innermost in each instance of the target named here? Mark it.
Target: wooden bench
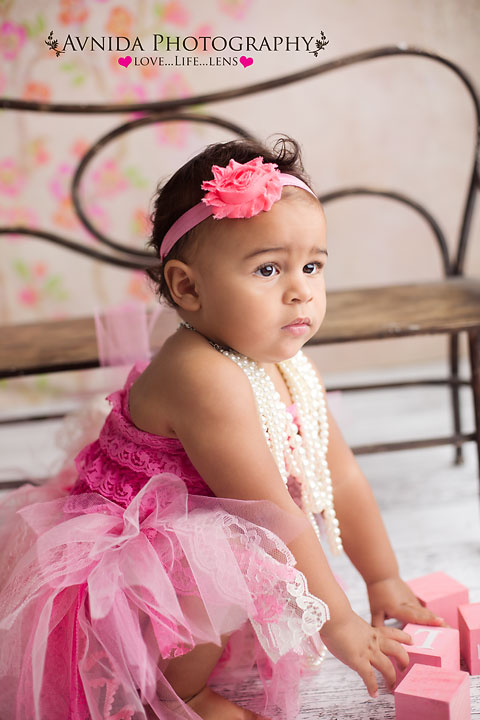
(395, 311)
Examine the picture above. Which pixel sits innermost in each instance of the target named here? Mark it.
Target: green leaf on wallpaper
(28, 28)
(36, 27)
(22, 269)
(52, 282)
(158, 9)
(67, 66)
(78, 80)
(40, 24)
(53, 288)
(136, 178)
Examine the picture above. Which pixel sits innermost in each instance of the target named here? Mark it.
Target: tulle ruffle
(96, 599)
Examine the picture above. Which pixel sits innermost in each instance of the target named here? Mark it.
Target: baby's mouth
(299, 326)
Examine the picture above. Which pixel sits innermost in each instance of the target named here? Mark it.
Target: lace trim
(119, 472)
(286, 615)
(120, 422)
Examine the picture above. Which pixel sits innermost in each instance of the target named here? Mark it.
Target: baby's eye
(313, 267)
(267, 270)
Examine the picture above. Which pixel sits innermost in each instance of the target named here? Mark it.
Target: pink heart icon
(125, 61)
(246, 61)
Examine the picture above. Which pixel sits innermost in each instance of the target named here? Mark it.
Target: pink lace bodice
(123, 458)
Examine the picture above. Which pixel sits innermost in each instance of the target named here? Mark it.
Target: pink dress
(106, 580)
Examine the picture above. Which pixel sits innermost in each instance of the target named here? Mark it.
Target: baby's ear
(180, 279)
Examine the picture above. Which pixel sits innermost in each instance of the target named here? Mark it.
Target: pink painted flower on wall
(141, 225)
(37, 284)
(79, 148)
(12, 39)
(12, 177)
(39, 269)
(138, 287)
(28, 296)
(64, 215)
(129, 92)
(205, 31)
(175, 13)
(36, 91)
(108, 179)
(60, 183)
(235, 8)
(173, 133)
(72, 12)
(38, 151)
(176, 86)
(99, 217)
(19, 215)
(120, 21)
(149, 72)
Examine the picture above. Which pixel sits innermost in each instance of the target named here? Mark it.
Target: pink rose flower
(242, 190)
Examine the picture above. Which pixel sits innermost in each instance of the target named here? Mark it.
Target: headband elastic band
(199, 212)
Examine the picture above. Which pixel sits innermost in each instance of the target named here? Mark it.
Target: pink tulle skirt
(96, 599)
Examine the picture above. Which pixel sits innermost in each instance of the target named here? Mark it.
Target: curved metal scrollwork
(121, 130)
(174, 111)
(400, 197)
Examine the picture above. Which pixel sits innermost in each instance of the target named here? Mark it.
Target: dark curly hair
(183, 190)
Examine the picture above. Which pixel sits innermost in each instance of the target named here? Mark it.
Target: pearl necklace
(303, 457)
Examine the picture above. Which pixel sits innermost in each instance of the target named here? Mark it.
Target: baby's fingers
(419, 615)
(397, 651)
(385, 666)
(368, 677)
(394, 633)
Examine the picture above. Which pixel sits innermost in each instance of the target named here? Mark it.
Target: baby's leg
(188, 675)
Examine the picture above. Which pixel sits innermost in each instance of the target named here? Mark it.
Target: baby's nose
(298, 290)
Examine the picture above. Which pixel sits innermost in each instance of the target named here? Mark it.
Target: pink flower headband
(237, 191)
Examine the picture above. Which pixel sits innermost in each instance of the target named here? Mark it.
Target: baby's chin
(275, 354)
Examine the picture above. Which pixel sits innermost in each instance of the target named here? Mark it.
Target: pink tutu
(97, 598)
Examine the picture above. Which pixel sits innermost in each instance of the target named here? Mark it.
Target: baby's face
(257, 276)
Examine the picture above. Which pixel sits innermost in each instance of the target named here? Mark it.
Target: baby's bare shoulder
(189, 373)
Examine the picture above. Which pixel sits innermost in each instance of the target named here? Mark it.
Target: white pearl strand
(303, 457)
(309, 396)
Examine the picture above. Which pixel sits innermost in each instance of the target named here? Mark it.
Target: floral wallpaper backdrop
(345, 127)
(37, 166)
(42, 281)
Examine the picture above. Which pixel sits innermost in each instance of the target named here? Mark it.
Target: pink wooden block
(432, 693)
(469, 626)
(436, 646)
(441, 594)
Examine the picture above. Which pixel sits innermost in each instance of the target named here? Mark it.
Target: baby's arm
(212, 409)
(366, 541)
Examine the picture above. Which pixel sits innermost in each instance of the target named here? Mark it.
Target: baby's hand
(392, 598)
(363, 647)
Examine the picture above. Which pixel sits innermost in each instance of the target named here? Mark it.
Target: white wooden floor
(431, 510)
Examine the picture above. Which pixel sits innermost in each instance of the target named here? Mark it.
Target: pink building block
(432, 693)
(435, 646)
(441, 594)
(469, 626)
